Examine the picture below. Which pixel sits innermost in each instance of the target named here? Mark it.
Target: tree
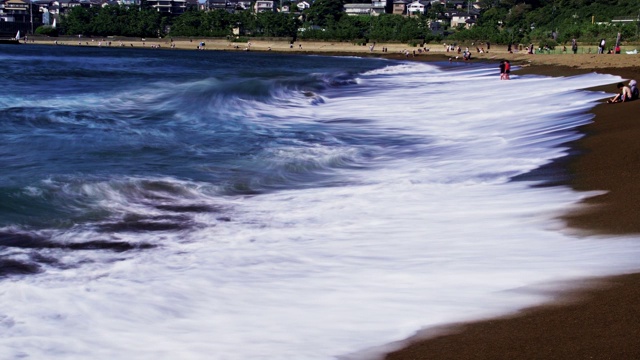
(324, 11)
(47, 30)
(189, 24)
(105, 22)
(276, 24)
(113, 20)
(78, 21)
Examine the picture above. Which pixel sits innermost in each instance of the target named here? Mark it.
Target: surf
(219, 213)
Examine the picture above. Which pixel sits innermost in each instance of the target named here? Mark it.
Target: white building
(264, 5)
(416, 7)
(303, 5)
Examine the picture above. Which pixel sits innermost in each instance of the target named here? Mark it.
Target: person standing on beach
(501, 69)
(574, 46)
(602, 46)
(507, 70)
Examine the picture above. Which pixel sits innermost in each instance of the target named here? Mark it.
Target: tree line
(544, 22)
(324, 21)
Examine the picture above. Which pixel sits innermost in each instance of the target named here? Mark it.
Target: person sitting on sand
(624, 95)
(634, 90)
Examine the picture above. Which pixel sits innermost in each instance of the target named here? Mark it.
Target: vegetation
(47, 30)
(543, 22)
(538, 21)
(113, 20)
(220, 23)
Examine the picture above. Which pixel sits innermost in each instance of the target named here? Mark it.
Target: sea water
(235, 205)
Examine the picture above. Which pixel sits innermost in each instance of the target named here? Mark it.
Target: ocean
(168, 204)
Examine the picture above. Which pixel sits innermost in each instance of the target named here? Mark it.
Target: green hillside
(560, 21)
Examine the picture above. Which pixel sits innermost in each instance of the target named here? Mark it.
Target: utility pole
(31, 14)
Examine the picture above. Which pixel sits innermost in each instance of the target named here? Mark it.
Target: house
(264, 6)
(303, 5)
(381, 7)
(458, 4)
(14, 11)
(66, 5)
(242, 4)
(435, 26)
(417, 8)
(461, 18)
(228, 5)
(170, 7)
(18, 15)
(216, 4)
(400, 7)
(96, 3)
(357, 9)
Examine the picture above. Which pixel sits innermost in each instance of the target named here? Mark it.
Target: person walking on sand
(623, 96)
(507, 70)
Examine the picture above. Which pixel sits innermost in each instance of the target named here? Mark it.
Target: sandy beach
(600, 319)
(585, 59)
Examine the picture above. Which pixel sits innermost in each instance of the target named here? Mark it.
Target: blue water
(85, 115)
(237, 205)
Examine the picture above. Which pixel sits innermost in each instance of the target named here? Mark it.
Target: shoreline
(595, 318)
(397, 51)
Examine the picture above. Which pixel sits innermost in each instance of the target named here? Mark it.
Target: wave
(181, 222)
(118, 216)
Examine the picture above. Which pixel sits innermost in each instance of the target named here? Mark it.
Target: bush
(549, 43)
(47, 30)
(240, 39)
(360, 42)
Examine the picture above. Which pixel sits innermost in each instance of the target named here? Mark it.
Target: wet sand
(601, 319)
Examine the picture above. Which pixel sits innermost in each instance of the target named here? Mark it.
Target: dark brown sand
(599, 324)
(601, 320)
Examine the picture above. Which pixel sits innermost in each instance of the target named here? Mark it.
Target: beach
(595, 319)
(585, 59)
(600, 319)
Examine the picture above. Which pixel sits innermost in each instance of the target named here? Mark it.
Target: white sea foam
(418, 241)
